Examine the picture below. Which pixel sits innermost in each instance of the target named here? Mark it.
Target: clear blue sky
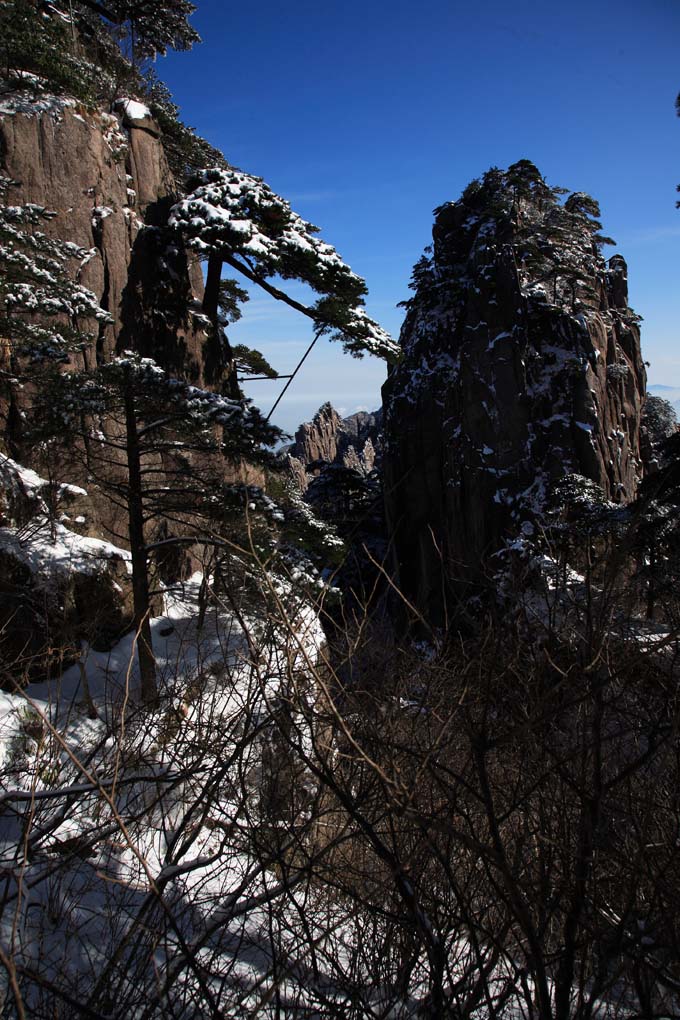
(366, 115)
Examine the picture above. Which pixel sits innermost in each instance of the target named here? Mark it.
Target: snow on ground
(168, 807)
(183, 655)
(164, 802)
(139, 848)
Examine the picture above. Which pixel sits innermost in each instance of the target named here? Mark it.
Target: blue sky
(367, 115)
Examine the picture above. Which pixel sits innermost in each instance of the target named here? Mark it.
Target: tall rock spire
(521, 364)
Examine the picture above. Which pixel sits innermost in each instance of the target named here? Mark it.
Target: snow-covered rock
(57, 586)
(521, 364)
(138, 116)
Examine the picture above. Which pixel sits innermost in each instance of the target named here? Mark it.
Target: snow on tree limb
(163, 397)
(36, 285)
(237, 217)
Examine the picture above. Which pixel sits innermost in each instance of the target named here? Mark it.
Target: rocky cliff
(354, 442)
(107, 178)
(521, 363)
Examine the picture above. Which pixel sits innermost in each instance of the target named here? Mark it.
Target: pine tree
(137, 427)
(527, 182)
(45, 316)
(148, 27)
(30, 42)
(232, 218)
(659, 423)
(158, 447)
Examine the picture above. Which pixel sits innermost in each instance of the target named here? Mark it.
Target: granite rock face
(107, 178)
(318, 439)
(354, 442)
(521, 364)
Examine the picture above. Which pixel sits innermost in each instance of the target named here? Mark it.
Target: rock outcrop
(318, 439)
(58, 587)
(334, 464)
(354, 442)
(521, 364)
(107, 178)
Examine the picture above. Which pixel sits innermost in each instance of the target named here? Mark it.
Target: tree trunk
(219, 360)
(651, 586)
(85, 684)
(140, 576)
(211, 294)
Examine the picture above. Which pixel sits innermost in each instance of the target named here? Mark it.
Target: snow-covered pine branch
(35, 284)
(238, 219)
(153, 26)
(163, 399)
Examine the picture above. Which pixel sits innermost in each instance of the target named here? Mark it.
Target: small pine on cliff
(520, 364)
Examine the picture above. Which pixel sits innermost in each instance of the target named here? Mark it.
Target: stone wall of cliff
(521, 364)
(354, 442)
(106, 177)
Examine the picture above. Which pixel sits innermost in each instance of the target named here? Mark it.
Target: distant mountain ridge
(354, 442)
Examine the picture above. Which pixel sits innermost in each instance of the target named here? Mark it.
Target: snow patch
(48, 548)
(134, 109)
(30, 105)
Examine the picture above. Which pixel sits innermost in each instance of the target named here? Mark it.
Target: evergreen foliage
(45, 315)
(557, 243)
(660, 423)
(344, 495)
(35, 285)
(38, 46)
(527, 182)
(584, 209)
(29, 41)
(147, 28)
(230, 298)
(252, 362)
(157, 447)
(234, 218)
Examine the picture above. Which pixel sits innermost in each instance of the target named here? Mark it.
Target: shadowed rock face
(521, 364)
